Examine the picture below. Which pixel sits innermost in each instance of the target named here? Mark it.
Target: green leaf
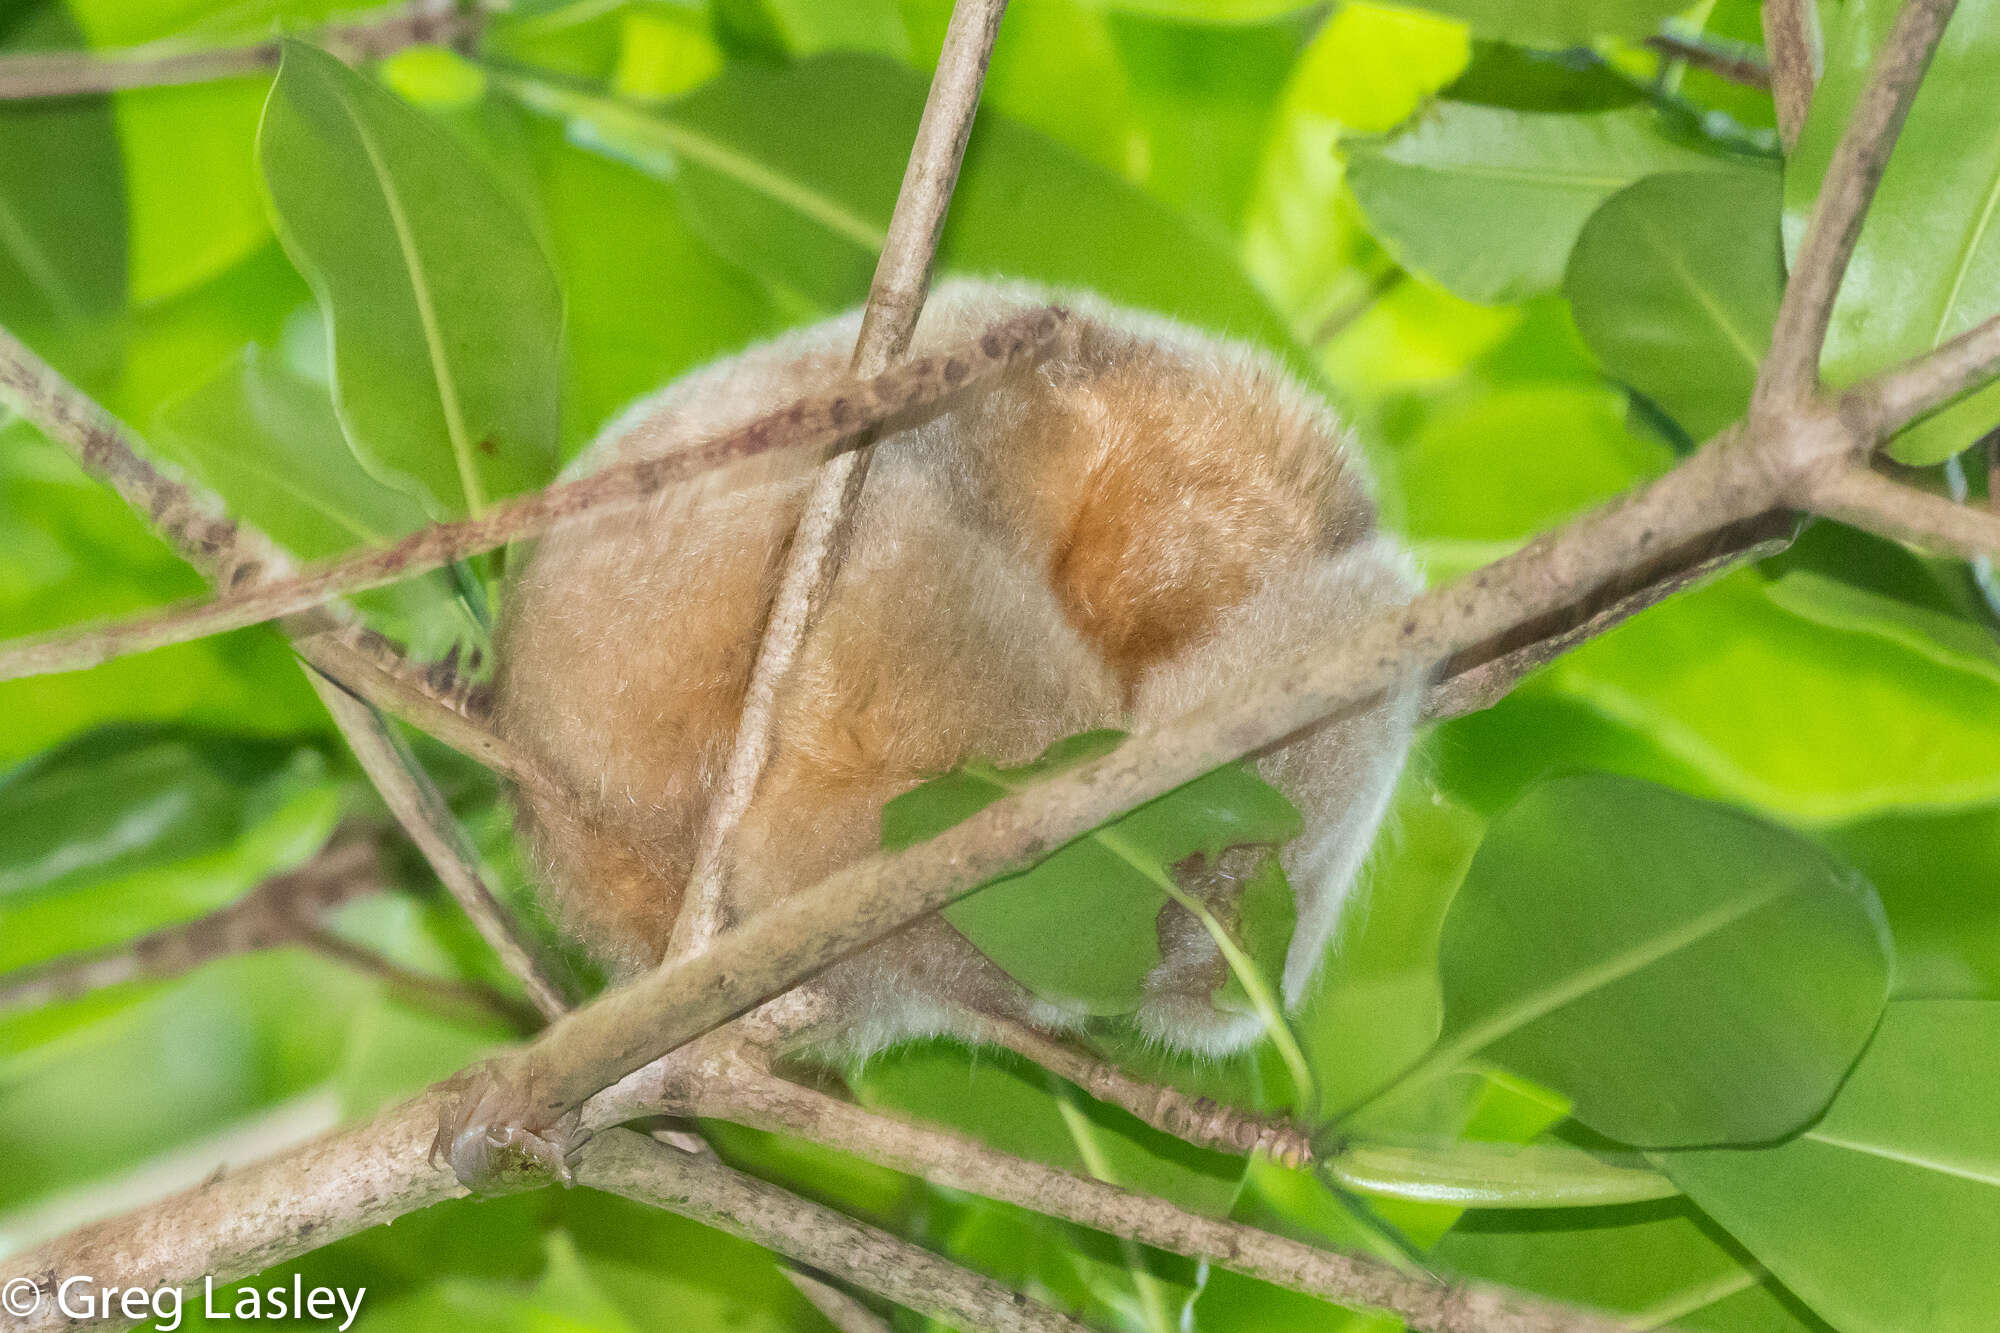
(267, 440)
(1080, 927)
(1559, 22)
(1684, 973)
(1798, 718)
(1675, 284)
(119, 799)
(792, 173)
(1886, 1214)
(1927, 266)
(1651, 1265)
(1489, 201)
(1497, 467)
(62, 192)
(444, 316)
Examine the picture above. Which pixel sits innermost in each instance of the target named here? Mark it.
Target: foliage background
(1431, 215)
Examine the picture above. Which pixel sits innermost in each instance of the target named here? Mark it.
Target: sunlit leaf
(1796, 717)
(443, 314)
(792, 173)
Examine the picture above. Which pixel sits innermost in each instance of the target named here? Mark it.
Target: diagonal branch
(1727, 61)
(628, 1164)
(1923, 385)
(895, 299)
(167, 63)
(1792, 44)
(818, 422)
(955, 1162)
(1935, 522)
(1791, 370)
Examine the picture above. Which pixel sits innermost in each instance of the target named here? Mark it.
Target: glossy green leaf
(267, 440)
(1080, 928)
(130, 828)
(1675, 284)
(1684, 973)
(1885, 1214)
(1795, 717)
(1489, 201)
(444, 317)
(1558, 22)
(1651, 1265)
(792, 174)
(62, 192)
(1927, 265)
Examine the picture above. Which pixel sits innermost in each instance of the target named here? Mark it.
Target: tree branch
(1937, 523)
(955, 1162)
(1736, 64)
(441, 994)
(1791, 370)
(1919, 387)
(818, 422)
(1472, 681)
(1792, 45)
(1197, 1120)
(895, 299)
(420, 808)
(621, 1162)
(272, 913)
(36, 74)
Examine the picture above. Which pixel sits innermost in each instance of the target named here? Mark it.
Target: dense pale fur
(1103, 540)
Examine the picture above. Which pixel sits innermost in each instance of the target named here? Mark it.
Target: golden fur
(1102, 540)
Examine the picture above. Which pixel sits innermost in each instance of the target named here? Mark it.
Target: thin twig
(1470, 682)
(36, 74)
(1921, 386)
(1197, 1120)
(895, 299)
(955, 1162)
(452, 998)
(420, 808)
(1791, 370)
(1936, 523)
(844, 1311)
(1736, 64)
(817, 422)
(1792, 45)
(273, 913)
(628, 1164)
